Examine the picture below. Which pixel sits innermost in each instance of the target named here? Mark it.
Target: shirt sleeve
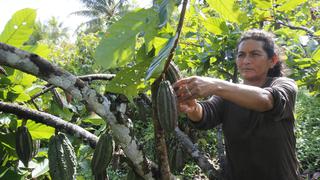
(212, 113)
(284, 92)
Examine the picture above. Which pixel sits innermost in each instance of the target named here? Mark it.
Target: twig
(35, 105)
(311, 32)
(48, 88)
(89, 77)
(92, 77)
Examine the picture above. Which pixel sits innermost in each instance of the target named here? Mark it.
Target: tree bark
(50, 120)
(203, 162)
(122, 130)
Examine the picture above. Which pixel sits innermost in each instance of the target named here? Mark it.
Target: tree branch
(50, 120)
(89, 77)
(311, 32)
(92, 77)
(121, 130)
(203, 162)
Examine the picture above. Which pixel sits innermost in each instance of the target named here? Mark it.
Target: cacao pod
(173, 73)
(167, 106)
(24, 145)
(102, 154)
(62, 158)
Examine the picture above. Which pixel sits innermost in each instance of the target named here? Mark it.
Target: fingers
(184, 89)
(180, 83)
(184, 93)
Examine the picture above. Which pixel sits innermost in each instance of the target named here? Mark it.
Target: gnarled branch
(50, 120)
(35, 65)
(203, 162)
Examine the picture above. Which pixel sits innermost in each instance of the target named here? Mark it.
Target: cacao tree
(57, 90)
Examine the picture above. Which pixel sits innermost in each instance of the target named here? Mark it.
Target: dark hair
(269, 46)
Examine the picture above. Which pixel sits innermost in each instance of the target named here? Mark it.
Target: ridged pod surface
(62, 158)
(24, 145)
(173, 73)
(167, 106)
(102, 154)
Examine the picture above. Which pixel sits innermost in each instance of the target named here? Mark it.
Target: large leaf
(165, 11)
(129, 81)
(228, 10)
(215, 25)
(316, 54)
(7, 141)
(40, 131)
(22, 78)
(263, 4)
(157, 64)
(22, 96)
(39, 49)
(40, 169)
(117, 47)
(19, 28)
(290, 5)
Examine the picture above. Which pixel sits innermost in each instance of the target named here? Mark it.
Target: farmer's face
(252, 61)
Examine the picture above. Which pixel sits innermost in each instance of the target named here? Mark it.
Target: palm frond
(86, 13)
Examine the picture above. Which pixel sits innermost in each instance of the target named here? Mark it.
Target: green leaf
(40, 49)
(20, 92)
(215, 25)
(263, 4)
(94, 119)
(12, 174)
(290, 5)
(40, 131)
(129, 81)
(8, 141)
(316, 54)
(118, 46)
(40, 169)
(19, 28)
(166, 8)
(21, 78)
(159, 43)
(62, 112)
(228, 10)
(317, 33)
(158, 62)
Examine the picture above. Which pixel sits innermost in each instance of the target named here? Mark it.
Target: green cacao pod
(24, 145)
(102, 154)
(172, 73)
(177, 158)
(167, 106)
(62, 158)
